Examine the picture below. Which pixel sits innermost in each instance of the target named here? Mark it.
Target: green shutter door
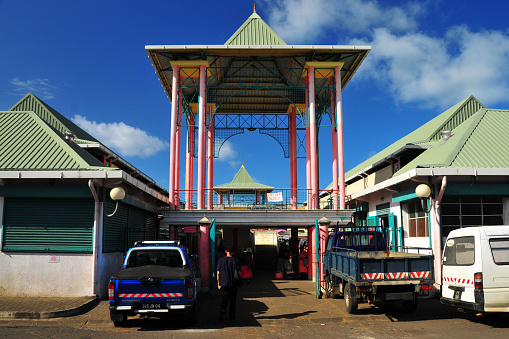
(136, 225)
(48, 224)
(115, 227)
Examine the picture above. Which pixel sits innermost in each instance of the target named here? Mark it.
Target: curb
(47, 315)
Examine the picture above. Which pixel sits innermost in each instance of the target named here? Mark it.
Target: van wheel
(409, 306)
(329, 289)
(351, 301)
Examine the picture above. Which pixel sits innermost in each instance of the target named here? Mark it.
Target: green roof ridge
(42, 147)
(427, 133)
(255, 31)
(30, 102)
(243, 180)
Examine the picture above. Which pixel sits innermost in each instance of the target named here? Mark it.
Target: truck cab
(475, 266)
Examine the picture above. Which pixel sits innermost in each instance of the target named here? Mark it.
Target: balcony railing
(278, 199)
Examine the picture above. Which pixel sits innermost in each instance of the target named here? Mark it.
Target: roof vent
(446, 134)
(70, 136)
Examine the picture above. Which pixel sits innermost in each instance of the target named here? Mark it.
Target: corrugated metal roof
(243, 180)
(28, 143)
(254, 31)
(487, 146)
(56, 120)
(427, 135)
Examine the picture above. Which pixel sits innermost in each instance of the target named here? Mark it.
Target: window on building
(465, 211)
(417, 219)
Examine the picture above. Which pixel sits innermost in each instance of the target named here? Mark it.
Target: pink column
(312, 137)
(324, 232)
(311, 253)
(210, 173)
(334, 151)
(190, 163)
(203, 254)
(293, 157)
(177, 166)
(201, 140)
(339, 124)
(308, 156)
(174, 117)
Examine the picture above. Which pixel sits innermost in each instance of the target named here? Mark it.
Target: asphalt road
(274, 309)
(431, 320)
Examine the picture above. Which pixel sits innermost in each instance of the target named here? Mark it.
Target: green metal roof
(56, 120)
(426, 135)
(254, 31)
(243, 181)
(29, 143)
(479, 140)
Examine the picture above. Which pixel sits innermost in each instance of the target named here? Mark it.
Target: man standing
(228, 269)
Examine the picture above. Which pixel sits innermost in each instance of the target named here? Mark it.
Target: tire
(351, 301)
(329, 289)
(409, 306)
(122, 322)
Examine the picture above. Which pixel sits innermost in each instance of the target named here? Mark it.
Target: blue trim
(404, 195)
(477, 189)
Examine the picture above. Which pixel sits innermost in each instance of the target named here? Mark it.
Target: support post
(210, 172)
(339, 124)
(174, 117)
(203, 253)
(201, 140)
(190, 163)
(334, 151)
(293, 157)
(313, 137)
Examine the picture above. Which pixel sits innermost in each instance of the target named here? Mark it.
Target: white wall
(33, 274)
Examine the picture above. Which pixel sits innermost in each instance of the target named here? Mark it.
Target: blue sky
(87, 60)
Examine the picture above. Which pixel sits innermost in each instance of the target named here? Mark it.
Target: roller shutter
(48, 224)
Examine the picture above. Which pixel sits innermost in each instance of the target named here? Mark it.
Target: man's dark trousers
(228, 295)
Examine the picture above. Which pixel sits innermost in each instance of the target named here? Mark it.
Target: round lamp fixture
(423, 191)
(117, 193)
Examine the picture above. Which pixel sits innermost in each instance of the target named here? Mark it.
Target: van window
(500, 251)
(459, 251)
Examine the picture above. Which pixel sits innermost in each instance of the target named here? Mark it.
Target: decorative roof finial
(254, 8)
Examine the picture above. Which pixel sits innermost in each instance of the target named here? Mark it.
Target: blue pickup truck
(359, 266)
(157, 278)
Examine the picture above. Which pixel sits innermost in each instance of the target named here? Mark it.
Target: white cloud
(438, 72)
(127, 140)
(42, 88)
(299, 21)
(229, 154)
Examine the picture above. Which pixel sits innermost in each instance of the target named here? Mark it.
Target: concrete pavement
(261, 302)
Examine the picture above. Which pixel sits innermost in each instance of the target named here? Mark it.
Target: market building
(62, 235)
(255, 81)
(462, 156)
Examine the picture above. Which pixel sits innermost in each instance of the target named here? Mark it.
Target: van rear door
(461, 260)
(496, 268)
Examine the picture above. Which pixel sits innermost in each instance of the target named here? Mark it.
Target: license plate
(457, 295)
(151, 306)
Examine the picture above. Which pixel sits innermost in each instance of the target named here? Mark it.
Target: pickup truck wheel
(121, 323)
(329, 289)
(351, 301)
(409, 306)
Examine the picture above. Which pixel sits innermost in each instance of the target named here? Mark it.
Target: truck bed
(154, 271)
(381, 267)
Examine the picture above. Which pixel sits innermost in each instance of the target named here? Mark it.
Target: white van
(475, 272)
